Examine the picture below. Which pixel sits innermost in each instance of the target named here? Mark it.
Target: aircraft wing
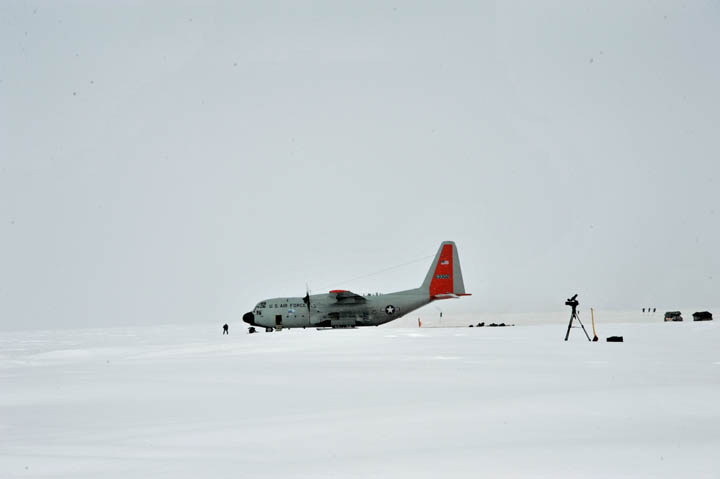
(347, 297)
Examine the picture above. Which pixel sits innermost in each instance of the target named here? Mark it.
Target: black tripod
(573, 303)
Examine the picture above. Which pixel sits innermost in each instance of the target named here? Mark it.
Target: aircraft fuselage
(325, 311)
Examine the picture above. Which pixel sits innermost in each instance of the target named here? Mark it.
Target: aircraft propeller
(306, 300)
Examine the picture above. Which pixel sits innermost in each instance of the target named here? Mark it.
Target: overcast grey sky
(179, 161)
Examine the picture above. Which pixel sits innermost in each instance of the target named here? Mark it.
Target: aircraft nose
(249, 318)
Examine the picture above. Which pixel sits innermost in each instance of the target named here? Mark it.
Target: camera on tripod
(572, 302)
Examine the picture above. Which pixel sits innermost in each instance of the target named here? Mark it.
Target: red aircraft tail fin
(444, 278)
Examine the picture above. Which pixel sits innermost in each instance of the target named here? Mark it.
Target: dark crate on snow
(702, 316)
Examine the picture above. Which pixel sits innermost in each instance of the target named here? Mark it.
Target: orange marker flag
(592, 315)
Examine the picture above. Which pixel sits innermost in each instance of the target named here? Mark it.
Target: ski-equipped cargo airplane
(344, 309)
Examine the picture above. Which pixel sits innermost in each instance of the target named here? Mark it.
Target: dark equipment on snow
(673, 316)
(251, 330)
(615, 339)
(573, 303)
(702, 316)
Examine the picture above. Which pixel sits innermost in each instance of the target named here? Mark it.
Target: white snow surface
(185, 401)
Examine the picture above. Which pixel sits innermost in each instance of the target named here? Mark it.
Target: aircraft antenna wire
(384, 270)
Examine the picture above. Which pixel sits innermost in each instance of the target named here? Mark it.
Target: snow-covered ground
(180, 401)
